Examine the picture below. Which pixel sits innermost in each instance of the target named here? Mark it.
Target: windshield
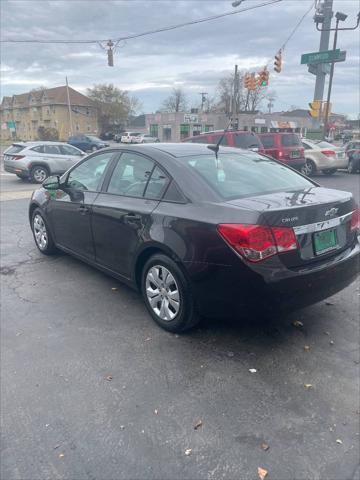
(234, 176)
(14, 149)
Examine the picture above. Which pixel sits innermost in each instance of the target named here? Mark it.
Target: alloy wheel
(39, 174)
(308, 168)
(40, 232)
(162, 292)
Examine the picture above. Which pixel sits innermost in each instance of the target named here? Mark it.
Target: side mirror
(52, 183)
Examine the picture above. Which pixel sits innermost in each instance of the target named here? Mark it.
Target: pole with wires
(69, 107)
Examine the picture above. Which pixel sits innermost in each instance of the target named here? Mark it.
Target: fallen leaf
(188, 451)
(329, 303)
(114, 289)
(307, 347)
(339, 441)
(61, 455)
(265, 446)
(109, 378)
(262, 473)
(331, 342)
(147, 339)
(122, 427)
(327, 333)
(230, 354)
(308, 385)
(57, 446)
(156, 412)
(18, 334)
(198, 425)
(252, 370)
(297, 323)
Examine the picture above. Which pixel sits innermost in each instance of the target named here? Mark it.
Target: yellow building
(22, 115)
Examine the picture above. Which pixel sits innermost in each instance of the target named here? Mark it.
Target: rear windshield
(246, 141)
(290, 140)
(325, 145)
(267, 141)
(248, 174)
(14, 149)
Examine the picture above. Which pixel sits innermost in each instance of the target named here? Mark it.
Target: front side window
(89, 174)
(130, 175)
(248, 174)
(67, 150)
(246, 141)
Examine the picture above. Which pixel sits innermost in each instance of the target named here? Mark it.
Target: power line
(149, 32)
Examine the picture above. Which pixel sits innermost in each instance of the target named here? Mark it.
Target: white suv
(131, 137)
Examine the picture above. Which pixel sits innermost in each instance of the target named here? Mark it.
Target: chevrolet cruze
(201, 232)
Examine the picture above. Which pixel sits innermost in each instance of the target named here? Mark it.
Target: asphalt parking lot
(92, 389)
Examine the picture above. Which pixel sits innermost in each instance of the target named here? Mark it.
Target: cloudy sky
(193, 57)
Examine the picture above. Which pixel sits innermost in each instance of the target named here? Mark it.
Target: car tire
(330, 171)
(38, 174)
(309, 168)
(167, 295)
(42, 235)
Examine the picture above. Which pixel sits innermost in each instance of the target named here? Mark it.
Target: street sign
(320, 57)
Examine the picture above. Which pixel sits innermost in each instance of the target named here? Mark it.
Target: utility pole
(235, 108)
(203, 99)
(69, 107)
(324, 45)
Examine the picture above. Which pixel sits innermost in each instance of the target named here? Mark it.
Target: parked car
(199, 233)
(352, 150)
(322, 156)
(144, 138)
(285, 147)
(87, 143)
(107, 136)
(117, 136)
(38, 160)
(131, 137)
(237, 139)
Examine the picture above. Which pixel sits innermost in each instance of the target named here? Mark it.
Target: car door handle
(83, 210)
(132, 218)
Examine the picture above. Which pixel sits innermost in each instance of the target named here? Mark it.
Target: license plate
(341, 155)
(325, 241)
(295, 154)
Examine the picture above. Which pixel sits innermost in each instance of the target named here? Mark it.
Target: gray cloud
(195, 56)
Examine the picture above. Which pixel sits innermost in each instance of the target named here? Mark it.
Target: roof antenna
(215, 148)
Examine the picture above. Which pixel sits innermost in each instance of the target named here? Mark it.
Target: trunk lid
(319, 216)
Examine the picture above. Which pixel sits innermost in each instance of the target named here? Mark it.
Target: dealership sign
(191, 118)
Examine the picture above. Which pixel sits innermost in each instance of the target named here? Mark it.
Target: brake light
(17, 157)
(280, 154)
(355, 220)
(328, 153)
(258, 242)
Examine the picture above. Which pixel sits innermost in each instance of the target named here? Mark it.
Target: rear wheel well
(31, 210)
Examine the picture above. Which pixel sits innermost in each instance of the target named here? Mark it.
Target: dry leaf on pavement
(308, 385)
(188, 451)
(252, 370)
(198, 425)
(265, 446)
(114, 289)
(297, 323)
(262, 473)
(109, 378)
(61, 455)
(307, 347)
(339, 441)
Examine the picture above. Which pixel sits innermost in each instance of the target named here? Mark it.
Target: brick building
(22, 115)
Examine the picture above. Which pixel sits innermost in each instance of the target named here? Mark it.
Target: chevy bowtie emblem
(332, 212)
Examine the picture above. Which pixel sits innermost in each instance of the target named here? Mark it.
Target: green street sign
(320, 57)
(11, 125)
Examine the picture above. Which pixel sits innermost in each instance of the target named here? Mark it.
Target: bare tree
(176, 102)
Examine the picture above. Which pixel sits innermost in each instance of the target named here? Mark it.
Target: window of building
(89, 128)
(184, 130)
(264, 129)
(254, 129)
(77, 127)
(167, 134)
(154, 130)
(209, 128)
(196, 129)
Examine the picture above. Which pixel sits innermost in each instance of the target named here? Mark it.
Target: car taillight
(258, 242)
(355, 219)
(17, 157)
(328, 153)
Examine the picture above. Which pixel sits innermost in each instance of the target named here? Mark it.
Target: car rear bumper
(225, 291)
(16, 169)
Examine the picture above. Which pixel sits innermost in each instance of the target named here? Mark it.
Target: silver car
(322, 157)
(38, 160)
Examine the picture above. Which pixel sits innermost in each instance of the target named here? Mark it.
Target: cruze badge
(330, 213)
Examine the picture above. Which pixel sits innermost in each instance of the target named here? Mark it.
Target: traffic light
(247, 81)
(278, 62)
(314, 108)
(263, 80)
(252, 82)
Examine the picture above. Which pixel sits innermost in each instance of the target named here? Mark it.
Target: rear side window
(216, 138)
(247, 174)
(52, 150)
(39, 149)
(15, 149)
(173, 194)
(246, 141)
(200, 139)
(290, 140)
(67, 150)
(157, 184)
(267, 141)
